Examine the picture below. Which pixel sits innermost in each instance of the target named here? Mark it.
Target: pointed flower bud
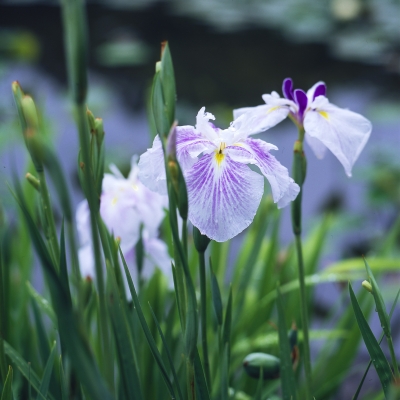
(367, 286)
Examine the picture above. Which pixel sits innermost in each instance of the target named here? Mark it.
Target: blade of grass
(355, 397)
(63, 382)
(288, 382)
(42, 303)
(44, 385)
(7, 393)
(201, 384)
(124, 343)
(378, 358)
(146, 330)
(171, 363)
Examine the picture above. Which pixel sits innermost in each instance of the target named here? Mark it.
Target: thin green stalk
(203, 316)
(304, 316)
(393, 357)
(48, 214)
(184, 237)
(299, 175)
(190, 379)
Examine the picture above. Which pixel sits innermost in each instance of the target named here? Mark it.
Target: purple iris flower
(224, 193)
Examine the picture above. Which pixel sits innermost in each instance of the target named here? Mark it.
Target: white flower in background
(224, 193)
(342, 131)
(125, 205)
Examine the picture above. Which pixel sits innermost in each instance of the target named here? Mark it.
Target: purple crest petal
(223, 196)
(301, 100)
(320, 90)
(287, 88)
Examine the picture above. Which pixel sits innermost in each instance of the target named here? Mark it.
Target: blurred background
(226, 54)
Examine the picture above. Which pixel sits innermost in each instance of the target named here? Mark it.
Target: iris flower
(342, 131)
(125, 205)
(224, 193)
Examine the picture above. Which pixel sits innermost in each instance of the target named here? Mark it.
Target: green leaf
(44, 385)
(201, 384)
(169, 356)
(25, 369)
(42, 303)
(226, 332)
(288, 382)
(225, 373)
(63, 382)
(7, 393)
(378, 358)
(355, 397)
(150, 340)
(124, 341)
(216, 297)
(258, 395)
(43, 341)
(380, 304)
(71, 333)
(157, 103)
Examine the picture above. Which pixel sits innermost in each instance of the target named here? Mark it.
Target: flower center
(219, 155)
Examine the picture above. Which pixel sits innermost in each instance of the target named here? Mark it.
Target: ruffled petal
(152, 168)
(343, 132)
(284, 189)
(223, 196)
(189, 144)
(204, 127)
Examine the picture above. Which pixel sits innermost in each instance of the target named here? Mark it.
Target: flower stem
(393, 356)
(299, 174)
(304, 316)
(203, 316)
(49, 217)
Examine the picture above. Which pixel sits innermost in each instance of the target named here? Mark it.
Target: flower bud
(366, 285)
(200, 241)
(98, 125)
(33, 181)
(270, 365)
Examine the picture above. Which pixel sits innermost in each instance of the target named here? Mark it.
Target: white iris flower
(342, 131)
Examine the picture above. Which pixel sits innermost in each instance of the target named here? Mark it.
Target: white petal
(223, 196)
(343, 132)
(152, 168)
(203, 126)
(317, 146)
(283, 187)
(259, 119)
(86, 261)
(82, 217)
(156, 256)
(189, 144)
(121, 218)
(311, 91)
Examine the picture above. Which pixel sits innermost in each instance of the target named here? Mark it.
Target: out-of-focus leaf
(200, 379)
(7, 394)
(216, 297)
(44, 385)
(378, 358)
(63, 383)
(226, 332)
(42, 303)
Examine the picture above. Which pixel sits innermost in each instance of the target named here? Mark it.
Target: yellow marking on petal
(114, 201)
(273, 109)
(219, 157)
(324, 114)
(238, 144)
(135, 187)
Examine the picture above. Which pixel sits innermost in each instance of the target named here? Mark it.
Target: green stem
(393, 356)
(190, 379)
(48, 214)
(203, 316)
(184, 237)
(304, 316)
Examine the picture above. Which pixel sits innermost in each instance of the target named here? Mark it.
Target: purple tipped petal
(320, 90)
(287, 88)
(223, 196)
(301, 100)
